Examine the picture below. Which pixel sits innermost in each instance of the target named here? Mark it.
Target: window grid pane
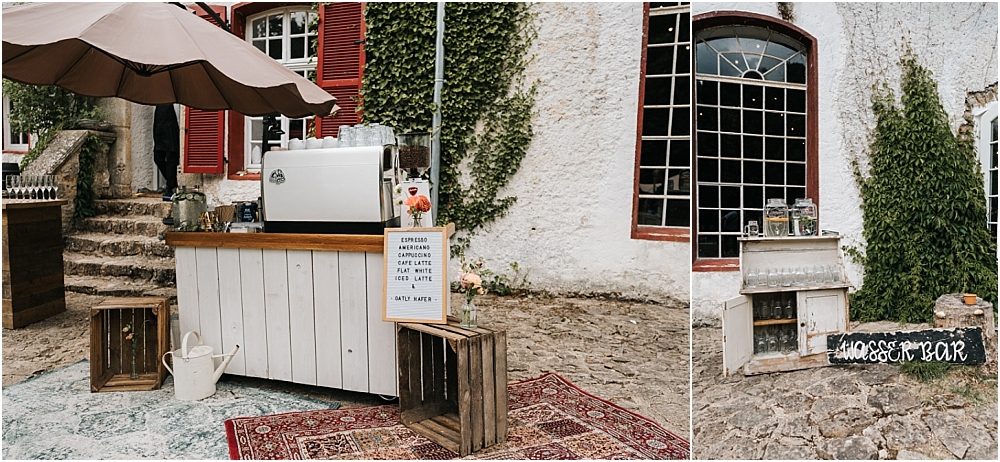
(751, 129)
(991, 193)
(664, 185)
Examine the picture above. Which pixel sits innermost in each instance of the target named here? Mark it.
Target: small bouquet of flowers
(131, 335)
(470, 284)
(416, 205)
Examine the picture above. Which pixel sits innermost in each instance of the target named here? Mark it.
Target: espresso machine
(334, 190)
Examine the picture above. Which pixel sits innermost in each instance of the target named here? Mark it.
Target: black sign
(956, 346)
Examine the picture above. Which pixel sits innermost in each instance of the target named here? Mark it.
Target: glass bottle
(751, 279)
(468, 315)
(807, 224)
(776, 309)
(760, 342)
(772, 341)
(772, 278)
(786, 277)
(789, 309)
(775, 218)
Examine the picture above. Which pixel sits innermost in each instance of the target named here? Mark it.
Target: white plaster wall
(571, 224)
(859, 44)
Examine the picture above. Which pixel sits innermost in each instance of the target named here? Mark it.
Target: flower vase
(418, 221)
(134, 375)
(468, 315)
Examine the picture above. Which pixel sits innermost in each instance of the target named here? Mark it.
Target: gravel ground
(633, 354)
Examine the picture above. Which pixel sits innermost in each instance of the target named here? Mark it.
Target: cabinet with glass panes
(793, 295)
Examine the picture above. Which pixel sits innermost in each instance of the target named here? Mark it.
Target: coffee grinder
(414, 160)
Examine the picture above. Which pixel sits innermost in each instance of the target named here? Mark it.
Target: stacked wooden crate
(453, 384)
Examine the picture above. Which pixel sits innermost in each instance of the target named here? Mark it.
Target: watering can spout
(225, 362)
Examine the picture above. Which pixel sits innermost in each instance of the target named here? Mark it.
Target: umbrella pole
(436, 132)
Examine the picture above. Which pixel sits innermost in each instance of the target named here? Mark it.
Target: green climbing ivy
(486, 106)
(83, 202)
(924, 208)
(44, 110)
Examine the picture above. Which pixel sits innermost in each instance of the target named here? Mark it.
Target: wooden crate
(111, 353)
(32, 262)
(453, 384)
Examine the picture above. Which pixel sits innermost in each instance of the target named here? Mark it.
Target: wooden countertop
(337, 242)
(29, 204)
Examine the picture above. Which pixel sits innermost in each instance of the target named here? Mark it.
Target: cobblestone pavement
(635, 355)
(632, 354)
(838, 412)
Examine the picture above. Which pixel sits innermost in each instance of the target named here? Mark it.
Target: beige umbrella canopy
(150, 53)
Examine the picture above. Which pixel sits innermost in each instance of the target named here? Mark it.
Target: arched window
(286, 36)
(752, 133)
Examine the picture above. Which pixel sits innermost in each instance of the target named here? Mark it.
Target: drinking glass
(346, 136)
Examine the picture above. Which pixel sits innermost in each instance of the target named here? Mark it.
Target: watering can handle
(164, 360)
(184, 343)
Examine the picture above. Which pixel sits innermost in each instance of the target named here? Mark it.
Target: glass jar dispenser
(804, 218)
(775, 218)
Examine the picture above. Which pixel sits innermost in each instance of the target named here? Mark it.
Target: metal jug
(194, 370)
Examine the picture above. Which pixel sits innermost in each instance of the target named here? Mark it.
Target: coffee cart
(780, 321)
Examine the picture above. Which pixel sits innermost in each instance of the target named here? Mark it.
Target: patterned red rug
(549, 418)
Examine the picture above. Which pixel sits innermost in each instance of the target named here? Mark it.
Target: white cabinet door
(821, 313)
(737, 333)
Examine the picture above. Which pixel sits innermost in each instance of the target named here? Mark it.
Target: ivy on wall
(486, 106)
(924, 208)
(83, 202)
(43, 110)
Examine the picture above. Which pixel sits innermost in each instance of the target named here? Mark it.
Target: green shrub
(924, 208)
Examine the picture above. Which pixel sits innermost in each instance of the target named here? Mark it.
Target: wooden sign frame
(434, 316)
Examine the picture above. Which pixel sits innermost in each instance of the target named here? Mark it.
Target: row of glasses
(775, 339)
(792, 276)
(365, 135)
(31, 187)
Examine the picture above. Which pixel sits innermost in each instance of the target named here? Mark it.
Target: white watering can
(194, 370)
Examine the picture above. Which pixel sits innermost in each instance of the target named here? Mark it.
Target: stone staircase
(118, 252)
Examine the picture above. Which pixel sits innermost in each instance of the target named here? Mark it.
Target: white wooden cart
(304, 308)
(820, 309)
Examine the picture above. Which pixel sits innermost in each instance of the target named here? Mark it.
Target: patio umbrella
(150, 53)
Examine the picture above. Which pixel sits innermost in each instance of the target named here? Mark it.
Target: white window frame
(9, 143)
(305, 67)
(984, 134)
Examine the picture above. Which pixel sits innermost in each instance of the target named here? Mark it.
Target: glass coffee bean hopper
(775, 218)
(414, 153)
(806, 224)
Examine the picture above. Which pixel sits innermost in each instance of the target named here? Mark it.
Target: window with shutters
(13, 142)
(662, 191)
(284, 35)
(754, 105)
(276, 29)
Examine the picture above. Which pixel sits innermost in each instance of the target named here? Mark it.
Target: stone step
(118, 287)
(141, 225)
(135, 267)
(136, 206)
(117, 245)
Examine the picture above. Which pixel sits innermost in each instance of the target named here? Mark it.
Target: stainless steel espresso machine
(329, 190)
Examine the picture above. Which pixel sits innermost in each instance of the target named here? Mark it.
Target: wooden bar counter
(304, 308)
(33, 287)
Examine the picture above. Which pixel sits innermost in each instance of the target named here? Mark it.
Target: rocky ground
(632, 354)
(839, 412)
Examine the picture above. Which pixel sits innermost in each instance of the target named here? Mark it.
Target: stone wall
(861, 44)
(62, 159)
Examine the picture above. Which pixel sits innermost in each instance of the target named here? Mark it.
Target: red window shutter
(203, 141)
(204, 130)
(341, 62)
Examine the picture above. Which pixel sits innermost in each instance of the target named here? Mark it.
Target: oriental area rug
(549, 418)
